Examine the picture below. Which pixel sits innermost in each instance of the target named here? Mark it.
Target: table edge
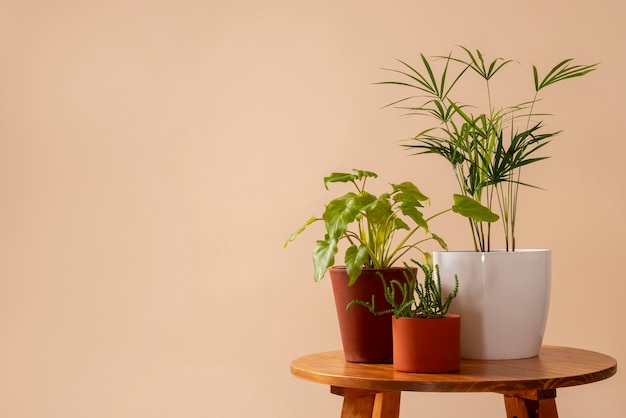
(498, 386)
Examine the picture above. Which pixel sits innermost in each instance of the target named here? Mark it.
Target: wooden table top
(553, 368)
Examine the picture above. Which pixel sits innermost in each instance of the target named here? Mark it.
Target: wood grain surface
(553, 368)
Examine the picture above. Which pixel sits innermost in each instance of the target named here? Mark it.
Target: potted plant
(426, 339)
(379, 231)
(504, 315)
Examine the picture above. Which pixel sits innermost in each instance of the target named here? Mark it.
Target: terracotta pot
(423, 345)
(366, 337)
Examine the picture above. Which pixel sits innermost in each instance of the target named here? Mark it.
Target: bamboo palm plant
(487, 150)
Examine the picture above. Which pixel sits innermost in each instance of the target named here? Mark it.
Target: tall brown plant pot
(366, 337)
(426, 345)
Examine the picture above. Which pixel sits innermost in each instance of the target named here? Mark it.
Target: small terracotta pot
(366, 337)
(423, 345)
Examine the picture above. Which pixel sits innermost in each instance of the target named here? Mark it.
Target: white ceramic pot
(503, 300)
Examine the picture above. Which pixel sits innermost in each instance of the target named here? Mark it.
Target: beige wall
(155, 155)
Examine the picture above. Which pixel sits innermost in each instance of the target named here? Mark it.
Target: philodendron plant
(379, 230)
(419, 299)
(486, 149)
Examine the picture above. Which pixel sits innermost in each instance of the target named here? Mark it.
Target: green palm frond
(486, 149)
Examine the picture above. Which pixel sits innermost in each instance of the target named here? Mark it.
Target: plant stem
(438, 214)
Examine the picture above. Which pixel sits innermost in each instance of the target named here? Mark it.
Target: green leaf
(379, 212)
(427, 258)
(478, 65)
(348, 177)
(442, 244)
(340, 212)
(300, 230)
(562, 71)
(355, 258)
(470, 208)
(366, 202)
(409, 193)
(323, 256)
(361, 174)
(414, 214)
(339, 178)
(400, 224)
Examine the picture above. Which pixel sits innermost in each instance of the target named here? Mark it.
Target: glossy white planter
(503, 299)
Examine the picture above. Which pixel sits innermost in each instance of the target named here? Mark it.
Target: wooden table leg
(531, 404)
(387, 405)
(359, 403)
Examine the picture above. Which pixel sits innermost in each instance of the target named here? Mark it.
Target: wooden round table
(528, 385)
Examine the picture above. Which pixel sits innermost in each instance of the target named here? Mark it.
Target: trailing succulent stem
(412, 298)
